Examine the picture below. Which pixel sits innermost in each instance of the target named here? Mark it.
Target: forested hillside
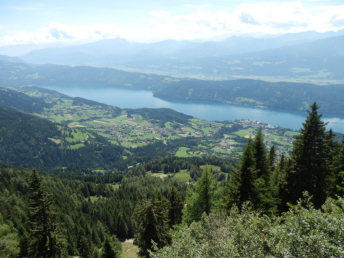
(263, 206)
(15, 100)
(255, 93)
(29, 141)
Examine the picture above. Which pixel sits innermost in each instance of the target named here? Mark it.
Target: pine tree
(262, 166)
(202, 200)
(45, 238)
(85, 246)
(338, 168)
(110, 250)
(152, 218)
(272, 156)
(175, 213)
(309, 170)
(239, 188)
(262, 197)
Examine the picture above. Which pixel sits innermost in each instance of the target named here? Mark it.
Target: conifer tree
(152, 218)
(262, 197)
(45, 238)
(239, 188)
(202, 200)
(338, 167)
(260, 153)
(272, 156)
(175, 213)
(110, 250)
(309, 170)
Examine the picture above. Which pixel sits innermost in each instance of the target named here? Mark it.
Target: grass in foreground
(129, 250)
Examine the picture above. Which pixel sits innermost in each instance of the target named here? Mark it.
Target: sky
(75, 21)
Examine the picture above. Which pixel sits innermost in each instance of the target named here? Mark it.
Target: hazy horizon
(69, 22)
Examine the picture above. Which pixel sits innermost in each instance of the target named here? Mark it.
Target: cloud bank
(265, 18)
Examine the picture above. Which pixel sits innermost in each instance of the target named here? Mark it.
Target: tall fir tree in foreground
(175, 213)
(152, 218)
(262, 198)
(45, 239)
(239, 188)
(111, 248)
(308, 169)
(338, 168)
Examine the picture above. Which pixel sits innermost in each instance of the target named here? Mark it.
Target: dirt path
(70, 116)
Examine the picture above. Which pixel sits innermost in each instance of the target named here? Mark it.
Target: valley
(132, 128)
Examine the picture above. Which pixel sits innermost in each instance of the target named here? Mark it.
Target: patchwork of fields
(87, 118)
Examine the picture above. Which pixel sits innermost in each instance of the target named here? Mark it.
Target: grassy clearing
(218, 150)
(161, 175)
(77, 136)
(77, 146)
(291, 134)
(115, 187)
(214, 168)
(129, 250)
(55, 140)
(284, 143)
(243, 133)
(182, 153)
(188, 129)
(183, 175)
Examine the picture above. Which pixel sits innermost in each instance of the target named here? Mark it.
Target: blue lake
(133, 98)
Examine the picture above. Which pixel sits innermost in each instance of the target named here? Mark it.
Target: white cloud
(159, 13)
(265, 17)
(198, 6)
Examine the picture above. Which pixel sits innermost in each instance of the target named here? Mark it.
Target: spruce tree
(109, 249)
(175, 213)
(152, 219)
(272, 156)
(338, 168)
(262, 197)
(309, 170)
(202, 200)
(45, 238)
(239, 188)
(262, 166)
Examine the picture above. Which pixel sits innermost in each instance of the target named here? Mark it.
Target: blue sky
(71, 21)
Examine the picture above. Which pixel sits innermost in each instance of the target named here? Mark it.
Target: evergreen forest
(261, 205)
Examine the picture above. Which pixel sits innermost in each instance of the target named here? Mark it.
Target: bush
(301, 232)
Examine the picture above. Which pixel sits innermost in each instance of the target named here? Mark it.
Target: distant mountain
(261, 94)
(321, 59)
(115, 52)
(11, 59)
(26, 74)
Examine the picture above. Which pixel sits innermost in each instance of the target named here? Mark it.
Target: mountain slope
(255, 93)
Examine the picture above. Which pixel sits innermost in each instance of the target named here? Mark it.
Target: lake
(133, 98)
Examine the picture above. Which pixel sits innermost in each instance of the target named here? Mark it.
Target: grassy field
(129, 250)
(77, 146)
(214, 168)
(183, 175)
(243, 133)
(135, 131)
(182, 153)
(291, 134)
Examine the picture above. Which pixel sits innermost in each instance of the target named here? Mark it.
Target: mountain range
(309, 56)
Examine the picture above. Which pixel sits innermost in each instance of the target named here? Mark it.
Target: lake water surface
(133, 98)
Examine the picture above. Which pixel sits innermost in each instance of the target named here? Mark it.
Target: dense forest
(255, 93)
(261, 206)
